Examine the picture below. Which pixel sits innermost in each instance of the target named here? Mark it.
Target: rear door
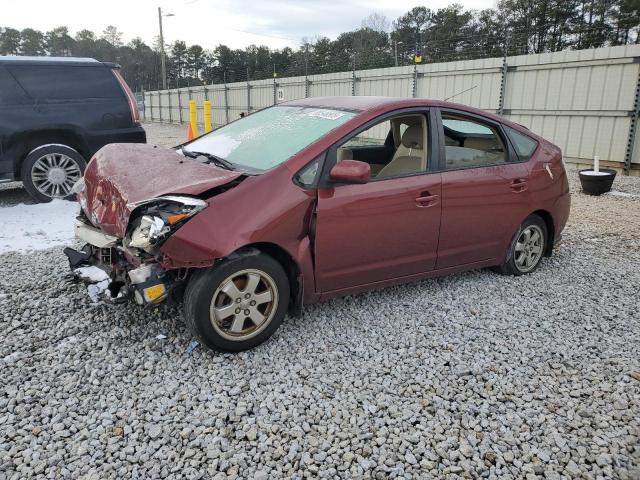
(485, 193)
(16, 111)
(381, 230)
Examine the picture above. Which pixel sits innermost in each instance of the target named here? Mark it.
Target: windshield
(267, 138)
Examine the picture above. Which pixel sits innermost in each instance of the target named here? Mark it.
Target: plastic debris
(192, 346)
(161, 336)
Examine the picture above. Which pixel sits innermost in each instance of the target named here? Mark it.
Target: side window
(392, 148)
(10, 91)
(375, 136)
(67, 82)
(469, 143)
(525, 146)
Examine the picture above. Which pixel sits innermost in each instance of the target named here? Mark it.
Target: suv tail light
(133, 104)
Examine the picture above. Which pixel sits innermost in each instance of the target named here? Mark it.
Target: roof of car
(19, 60)
(357, 103)
(376, 105)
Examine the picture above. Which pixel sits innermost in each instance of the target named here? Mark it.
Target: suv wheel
(49, 172)
(238, 304)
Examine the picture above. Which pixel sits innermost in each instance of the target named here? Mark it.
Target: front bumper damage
(128, 274)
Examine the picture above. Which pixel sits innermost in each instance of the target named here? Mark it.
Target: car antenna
(459, 93)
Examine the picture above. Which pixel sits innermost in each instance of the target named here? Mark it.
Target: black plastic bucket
(597, 184)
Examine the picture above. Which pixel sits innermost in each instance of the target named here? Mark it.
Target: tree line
(451, 33)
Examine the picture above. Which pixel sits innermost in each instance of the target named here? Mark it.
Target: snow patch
(91, 274)
(592, 173)
(37, 227)
(96, 290)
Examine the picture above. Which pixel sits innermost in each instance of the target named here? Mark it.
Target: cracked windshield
(267, 138)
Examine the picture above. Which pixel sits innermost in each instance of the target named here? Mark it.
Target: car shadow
(12, 194)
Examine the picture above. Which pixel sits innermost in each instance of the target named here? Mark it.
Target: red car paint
(339, 239)
(121, 174)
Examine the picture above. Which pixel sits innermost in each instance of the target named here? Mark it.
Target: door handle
(519, 185)
(427, 200)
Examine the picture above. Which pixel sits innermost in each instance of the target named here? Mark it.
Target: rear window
(10, 91)
(525, 146)
(67, 82)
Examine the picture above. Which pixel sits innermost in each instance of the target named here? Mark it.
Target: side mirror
(351, 171)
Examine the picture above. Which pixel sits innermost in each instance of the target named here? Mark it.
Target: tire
(225, 319)
(527, 248)
(50, 171)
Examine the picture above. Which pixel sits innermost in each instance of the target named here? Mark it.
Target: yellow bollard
(207, 116)
(193, 117)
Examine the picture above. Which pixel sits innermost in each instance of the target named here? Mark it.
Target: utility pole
(395, 47)
(163, 60)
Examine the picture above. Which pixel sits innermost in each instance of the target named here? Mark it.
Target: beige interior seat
(484, 144)
(375, 169)
(410, 155)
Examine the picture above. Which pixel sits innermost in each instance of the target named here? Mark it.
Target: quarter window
(469, 143)
(307, 176)
(525, 146)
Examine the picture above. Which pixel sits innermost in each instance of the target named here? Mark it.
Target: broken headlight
(154, 220)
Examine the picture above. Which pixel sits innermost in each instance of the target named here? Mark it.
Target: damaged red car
(317, 198)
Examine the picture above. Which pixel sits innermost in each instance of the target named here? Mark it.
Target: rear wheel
(49, 172)
(238, 304)
(527, 249)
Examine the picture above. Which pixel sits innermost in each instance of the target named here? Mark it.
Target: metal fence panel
(582, 100)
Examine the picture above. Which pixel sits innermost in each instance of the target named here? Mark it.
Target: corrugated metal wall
(585, 101)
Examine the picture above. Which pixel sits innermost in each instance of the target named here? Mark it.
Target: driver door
(387, 228)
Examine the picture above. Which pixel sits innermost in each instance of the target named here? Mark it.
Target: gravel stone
(472, 375)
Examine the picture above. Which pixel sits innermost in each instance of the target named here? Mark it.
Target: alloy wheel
(54, 174)
(529, 248)
(244, 304)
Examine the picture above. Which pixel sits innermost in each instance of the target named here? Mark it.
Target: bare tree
(376, 22)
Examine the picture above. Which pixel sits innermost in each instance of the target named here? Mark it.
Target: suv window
(67, 82)
(469, 143)
(525, 146)
(10, 91)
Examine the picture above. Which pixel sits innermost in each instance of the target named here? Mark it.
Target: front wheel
(238, 304)
(527, 249)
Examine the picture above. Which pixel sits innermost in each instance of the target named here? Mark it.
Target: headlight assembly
(154, 220)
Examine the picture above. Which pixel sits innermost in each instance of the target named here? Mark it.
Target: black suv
(55, 113)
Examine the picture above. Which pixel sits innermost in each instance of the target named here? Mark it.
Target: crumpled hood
(121, 174)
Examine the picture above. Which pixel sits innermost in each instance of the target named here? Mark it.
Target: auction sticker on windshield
(326, 114)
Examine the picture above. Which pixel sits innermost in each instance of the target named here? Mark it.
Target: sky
(235, 23)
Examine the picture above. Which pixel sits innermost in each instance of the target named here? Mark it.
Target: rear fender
(21, 144)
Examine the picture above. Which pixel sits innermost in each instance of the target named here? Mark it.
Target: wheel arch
(25, 142)
(291, 268)
(551, 229)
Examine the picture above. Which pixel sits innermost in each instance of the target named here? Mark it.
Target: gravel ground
(468, 375)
